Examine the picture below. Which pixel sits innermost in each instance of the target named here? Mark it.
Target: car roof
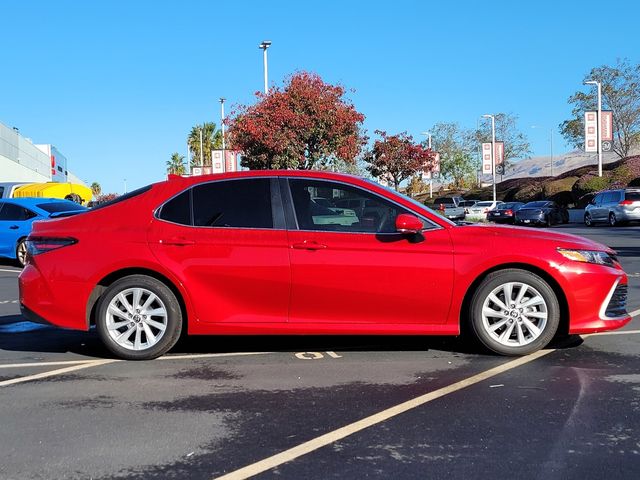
(31, 201)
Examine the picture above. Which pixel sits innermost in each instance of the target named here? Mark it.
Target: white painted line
(339, 434)
(635, 313)
(211, 355)
(46, 364)
(12, 271)
(2, 302)
(53, 373)
(615, 332)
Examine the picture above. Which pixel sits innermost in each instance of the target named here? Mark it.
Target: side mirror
(406, 223)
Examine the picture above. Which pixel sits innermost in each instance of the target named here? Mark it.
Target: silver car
(613, 207)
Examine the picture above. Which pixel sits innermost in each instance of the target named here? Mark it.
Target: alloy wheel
(514, 314)
(21, 253)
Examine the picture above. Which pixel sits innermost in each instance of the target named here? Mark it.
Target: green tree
(516, 143)
(96, 189)
(621, 94)
(455, 146)
(176, 164)
(211, 140)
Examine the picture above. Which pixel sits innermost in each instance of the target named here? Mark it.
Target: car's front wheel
(514, 312)
(138, 318)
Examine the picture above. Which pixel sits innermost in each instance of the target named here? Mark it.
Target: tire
(547, 221)
(588, 221)
(124, 324)
(613, 221)
(21, 252)
(518, 332)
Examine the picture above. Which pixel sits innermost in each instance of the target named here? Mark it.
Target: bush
(529, 193)
(590, 183)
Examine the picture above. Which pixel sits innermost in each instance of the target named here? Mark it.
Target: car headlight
(588, 256)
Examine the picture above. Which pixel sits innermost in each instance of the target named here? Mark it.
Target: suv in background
(613, 207)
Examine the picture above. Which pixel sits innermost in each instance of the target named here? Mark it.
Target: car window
(178, 209)
(376, 215)
(609, 197)
(242, 203)
(483, 204)
(54, 207)
(15, 213)
(445, 200)
(633, 196)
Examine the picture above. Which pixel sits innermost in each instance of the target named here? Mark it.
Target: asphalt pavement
(321, 407)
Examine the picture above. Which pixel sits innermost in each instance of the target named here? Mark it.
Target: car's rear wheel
(21, 252)
(139, 318)
(514, 312)
(588, 221)
(613, 221)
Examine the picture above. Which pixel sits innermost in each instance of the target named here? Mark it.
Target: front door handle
(178, 241)
(14, 227)
(309, 245)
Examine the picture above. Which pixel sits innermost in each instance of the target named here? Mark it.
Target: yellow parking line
(336, 435)
(53, 373)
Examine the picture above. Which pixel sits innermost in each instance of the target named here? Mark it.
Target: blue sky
(117, 85)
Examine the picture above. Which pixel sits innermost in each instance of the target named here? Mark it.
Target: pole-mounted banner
(591, 132)
(486, 159)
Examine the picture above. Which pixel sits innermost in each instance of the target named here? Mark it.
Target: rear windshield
(124, 197)
(633, 196)
(507, 206)
(484, 204)
(467, 203)
(536, 204)
(55, 207)
(444, 200)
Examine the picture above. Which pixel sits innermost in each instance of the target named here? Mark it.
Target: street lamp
(222, 99)
(599, 129)
(264, 45)
(431, 172)
(493, 151)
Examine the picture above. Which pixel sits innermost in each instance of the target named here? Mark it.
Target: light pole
(428, 134)
(264, 45)
(493, 151)
(201, 147)
(599, 129)
(125, 185)
(222, 99)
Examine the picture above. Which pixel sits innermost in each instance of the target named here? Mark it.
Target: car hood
(504, 232)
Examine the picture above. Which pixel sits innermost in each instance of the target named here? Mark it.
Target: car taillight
(485, 210)
(626, 202)
(441, 207)
(508, 212)
(38, 245)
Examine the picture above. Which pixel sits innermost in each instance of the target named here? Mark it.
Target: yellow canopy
(53, 190)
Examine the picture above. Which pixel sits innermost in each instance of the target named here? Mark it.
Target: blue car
(18, 214)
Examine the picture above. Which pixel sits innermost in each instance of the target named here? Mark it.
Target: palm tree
(176, 164)
(211, 140)
(96, 189)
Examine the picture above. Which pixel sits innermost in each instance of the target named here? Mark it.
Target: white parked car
(478, 213)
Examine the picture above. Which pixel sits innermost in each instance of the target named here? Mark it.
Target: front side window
(242, 203)
(350, 209)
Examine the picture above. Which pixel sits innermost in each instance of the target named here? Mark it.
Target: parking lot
(321, 407)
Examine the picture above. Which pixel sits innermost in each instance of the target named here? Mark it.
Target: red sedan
(258, 253)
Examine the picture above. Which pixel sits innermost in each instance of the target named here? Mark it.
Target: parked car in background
(541, 212)
(242, 254)
(8, 188)
(17, 216)
(479, 211)
(466, 204)
(504, 213)
(613, 207)
(450, 207)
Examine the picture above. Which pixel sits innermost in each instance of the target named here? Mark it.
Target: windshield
(55, 207)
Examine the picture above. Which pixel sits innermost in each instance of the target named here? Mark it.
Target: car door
(363, 272)
(596, 207)
(228, 243)
(15, 223)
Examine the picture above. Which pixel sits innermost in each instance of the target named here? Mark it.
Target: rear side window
(633, 196)
(610, 197)
(233, 203)
(15, 213)
(178, 209)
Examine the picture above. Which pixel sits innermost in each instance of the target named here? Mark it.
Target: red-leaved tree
(397, 157)
(306, 124)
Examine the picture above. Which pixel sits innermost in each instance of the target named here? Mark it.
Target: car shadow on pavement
(19, 335)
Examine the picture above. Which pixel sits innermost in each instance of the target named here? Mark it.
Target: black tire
(613, 221)
(165, 299)
(532, 341)
(588, 221)
(21, 252)
(547, 221)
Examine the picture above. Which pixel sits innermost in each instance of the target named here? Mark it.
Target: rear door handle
(14, 227)
(178, 241)
(308, 245)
